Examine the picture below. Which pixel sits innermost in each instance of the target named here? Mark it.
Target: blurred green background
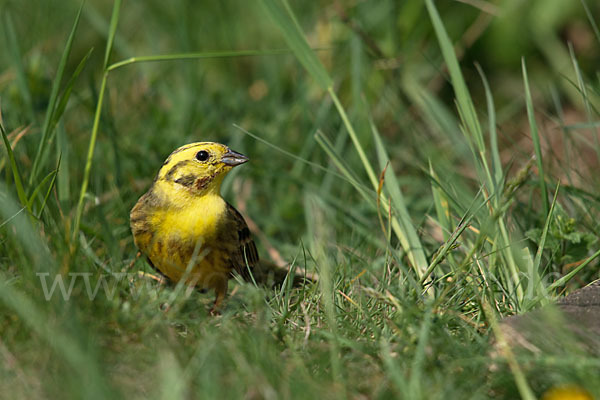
(371, 328)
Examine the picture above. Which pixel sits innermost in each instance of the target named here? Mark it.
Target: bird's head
(199, 167)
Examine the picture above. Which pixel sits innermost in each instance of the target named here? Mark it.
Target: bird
(186, 230)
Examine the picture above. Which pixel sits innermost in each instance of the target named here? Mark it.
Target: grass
(380, 158)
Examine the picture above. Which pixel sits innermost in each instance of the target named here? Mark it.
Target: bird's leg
(132, 263)
(220, 292)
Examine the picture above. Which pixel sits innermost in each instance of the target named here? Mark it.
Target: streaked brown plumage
(186, 229)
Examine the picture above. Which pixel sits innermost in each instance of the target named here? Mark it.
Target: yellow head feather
(199, 167)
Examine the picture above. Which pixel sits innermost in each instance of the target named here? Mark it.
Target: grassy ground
(432, 200)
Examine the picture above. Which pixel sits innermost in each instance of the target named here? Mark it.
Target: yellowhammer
(186, 229)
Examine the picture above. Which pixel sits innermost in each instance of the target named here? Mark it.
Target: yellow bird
(185, 228)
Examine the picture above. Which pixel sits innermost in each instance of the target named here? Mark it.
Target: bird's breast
(198, 219)
(187, 232)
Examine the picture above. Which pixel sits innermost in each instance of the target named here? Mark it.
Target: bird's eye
(202, 155)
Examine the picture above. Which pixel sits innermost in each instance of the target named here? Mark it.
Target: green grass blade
(112, 30)
(50, 187)
(357, 145)
(329, 149)
(63, 178)
(538, 255)
(536, 140)
(441, 203)
(319, 230)
(442, 209)
(90, 154)
(285, 20)
(534, 274)
(15, 170)
(452, 240)
(565, 279)
(38, 188)
(195, 56)
(463, 97)
(64, 99)
(299, 159)
(62, 104)
(54, 174)
(466, 109)
(437, 115)
(590, 17)
(50, 110)
(15, 53)
(98, 22)
(408, 235)
(589, 113)
(413, 253)
(496, 163)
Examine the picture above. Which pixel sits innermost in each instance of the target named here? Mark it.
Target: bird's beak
(233, 158)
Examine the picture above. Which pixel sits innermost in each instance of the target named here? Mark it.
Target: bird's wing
(245, 255)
